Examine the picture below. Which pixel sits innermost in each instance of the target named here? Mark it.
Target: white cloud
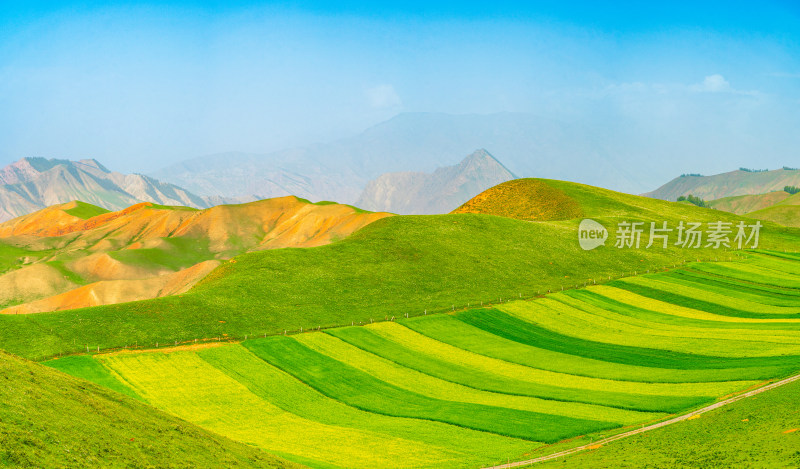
(383, 96)
(713, 84)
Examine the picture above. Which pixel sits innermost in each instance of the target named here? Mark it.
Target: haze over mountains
(417, 193)
(527, 145)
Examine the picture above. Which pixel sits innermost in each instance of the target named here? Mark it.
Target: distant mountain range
(727, 184)
(31, 184)
(418, 193)
(527, 144)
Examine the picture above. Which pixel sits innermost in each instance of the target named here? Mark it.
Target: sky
(140, 85)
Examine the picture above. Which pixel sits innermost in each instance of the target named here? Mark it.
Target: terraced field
(480, 386)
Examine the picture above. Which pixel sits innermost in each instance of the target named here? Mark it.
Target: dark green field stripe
(459, 334)
(292, 395)
(450, 330)
(477, 379)
(744, 275)
(525, 332)
(618, 307)
(695, 303)
(783, 262)
(86, 367)
(781, 255)
(363, 391)
(757, 290)
(709, 285)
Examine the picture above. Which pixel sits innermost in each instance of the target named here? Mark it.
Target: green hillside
(392, 267)
(787, 215)
(484, 385)
(785, 212)
(48, 419)
(728, 184)
(760, 431)
(744, 204)
(85, 211)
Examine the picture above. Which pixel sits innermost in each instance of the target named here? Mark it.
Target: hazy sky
(139, 85)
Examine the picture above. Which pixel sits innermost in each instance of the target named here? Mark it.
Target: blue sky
(138, 85)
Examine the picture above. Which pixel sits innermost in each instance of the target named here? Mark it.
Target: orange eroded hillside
(148, 250)
(118, 291)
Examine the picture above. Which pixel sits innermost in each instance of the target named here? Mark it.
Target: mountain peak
(41, 164)
(446, 188)
(482, 157)
(94, 164)
(52, 181)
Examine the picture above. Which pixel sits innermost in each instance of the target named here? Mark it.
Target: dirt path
(654, 426)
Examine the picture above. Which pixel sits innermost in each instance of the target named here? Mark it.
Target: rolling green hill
(744, 204)
(785, 212)
(613, 350)
(760, 431)
(48, 419)
(728, 184)
(483, 385)
(392, 267)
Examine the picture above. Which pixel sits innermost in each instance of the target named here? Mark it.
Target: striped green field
(480, 386)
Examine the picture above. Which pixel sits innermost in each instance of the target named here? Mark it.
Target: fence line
(97, 349)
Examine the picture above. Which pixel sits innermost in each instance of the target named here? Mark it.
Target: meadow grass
(361, 390)
(85, 211)
(187, 386)
(394, 266)
(448, 329)
(586, 324)
(175, 254)
(763, 294)
(624, 303)
(719, 338)
(748, 433)
(729, 299)
(50, 419)
(452, 356)
(436, 441)
(522, 331)
(749, 273)
(86, 367)
(415, 381)
(450, 370)
(469, 387)
(650, 290)
(682, 312)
